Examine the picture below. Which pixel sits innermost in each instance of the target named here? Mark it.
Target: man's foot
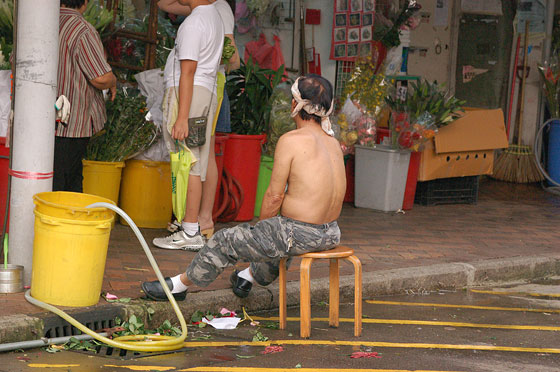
(241, 287)
(181, 240)
(154, 291)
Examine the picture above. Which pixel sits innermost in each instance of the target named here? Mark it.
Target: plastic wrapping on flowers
(280, 121)
(550, 72)
(409, 132)
(127, 131)
(354, 126)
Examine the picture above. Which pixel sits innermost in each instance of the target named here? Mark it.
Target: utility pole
(34, 120)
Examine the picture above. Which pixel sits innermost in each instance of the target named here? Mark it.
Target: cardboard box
(464, 147)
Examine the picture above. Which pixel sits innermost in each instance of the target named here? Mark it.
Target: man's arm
(106, 81)
(180, 129)
(173, 7)
(274, 196)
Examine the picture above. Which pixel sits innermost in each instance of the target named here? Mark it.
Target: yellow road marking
(463, 306)
(249, 369)
(142, 368)
(426, 322)
(39, 365)
(375, 344)
(515, 293)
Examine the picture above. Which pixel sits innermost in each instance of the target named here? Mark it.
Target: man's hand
(180, 129)
(113, 91)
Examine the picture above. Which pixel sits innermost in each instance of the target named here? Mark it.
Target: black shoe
(241, 287)
(155, 292)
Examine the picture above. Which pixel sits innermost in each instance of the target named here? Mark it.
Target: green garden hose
(135, 342)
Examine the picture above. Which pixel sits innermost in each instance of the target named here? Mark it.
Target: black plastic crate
(456, 190)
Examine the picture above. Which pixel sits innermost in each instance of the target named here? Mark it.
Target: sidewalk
(513, 226)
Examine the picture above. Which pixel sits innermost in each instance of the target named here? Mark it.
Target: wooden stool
(305, 291)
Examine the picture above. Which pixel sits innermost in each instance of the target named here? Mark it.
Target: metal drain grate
(96, 319)
(115, 353)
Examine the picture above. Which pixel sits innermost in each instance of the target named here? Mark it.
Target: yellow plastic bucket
(102, 178)
(69, 248)
(72, 206)
(146, 193)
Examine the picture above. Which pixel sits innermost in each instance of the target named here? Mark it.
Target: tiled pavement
(509, 220)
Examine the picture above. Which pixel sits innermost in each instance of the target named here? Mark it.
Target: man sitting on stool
(307, 187)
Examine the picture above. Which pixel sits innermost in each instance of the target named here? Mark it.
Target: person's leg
(59, 167)
(194, 194)
(68, 155)
(209, 193)
(75, 173)
(264, 242)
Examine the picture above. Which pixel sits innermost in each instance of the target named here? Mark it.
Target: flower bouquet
(550, 72)
(428, 97)
(409, 133)
(356, 127)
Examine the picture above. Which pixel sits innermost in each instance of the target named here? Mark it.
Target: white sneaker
(180, 240)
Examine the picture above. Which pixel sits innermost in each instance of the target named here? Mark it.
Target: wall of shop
(288, 31)
(432, 43)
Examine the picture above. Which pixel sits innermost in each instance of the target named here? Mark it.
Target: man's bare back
(312, 164)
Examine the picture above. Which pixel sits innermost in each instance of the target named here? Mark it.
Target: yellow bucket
(72, 206)
(146, 193)
(102, 178)
(69, 249)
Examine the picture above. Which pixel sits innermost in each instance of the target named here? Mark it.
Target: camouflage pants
(263, 245)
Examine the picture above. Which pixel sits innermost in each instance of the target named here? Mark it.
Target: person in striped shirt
(83, 73)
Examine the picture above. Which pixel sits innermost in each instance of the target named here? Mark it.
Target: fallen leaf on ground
(363, 354)
(272, 349)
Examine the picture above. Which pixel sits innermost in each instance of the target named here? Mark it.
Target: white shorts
(202, 97)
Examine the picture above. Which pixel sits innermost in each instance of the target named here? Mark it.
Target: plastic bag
(280, 117)
(410, 133)
(181, 162)
(152, 86)
(4, 101)
(264, 54)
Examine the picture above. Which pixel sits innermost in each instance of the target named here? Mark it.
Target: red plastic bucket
(4, 164)
(242, 159)
(219, 148)
(411, 180)
(349, 167)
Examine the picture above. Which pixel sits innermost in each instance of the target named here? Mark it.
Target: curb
(21, 327)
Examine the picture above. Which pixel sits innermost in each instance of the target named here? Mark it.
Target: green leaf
(244, 356)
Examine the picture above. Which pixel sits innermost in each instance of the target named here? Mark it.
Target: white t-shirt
(228, 20)
(199, 38)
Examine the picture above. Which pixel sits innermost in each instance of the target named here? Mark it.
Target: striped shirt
(80, 59)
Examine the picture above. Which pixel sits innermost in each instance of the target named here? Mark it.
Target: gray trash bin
(380, 177)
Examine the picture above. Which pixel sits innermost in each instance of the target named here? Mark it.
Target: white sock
(191, 228)
(246, 274)
(178, 285)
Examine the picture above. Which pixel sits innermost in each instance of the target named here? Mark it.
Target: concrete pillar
(34, 120)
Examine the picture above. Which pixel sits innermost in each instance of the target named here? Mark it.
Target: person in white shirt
(191, 84)
(210, 184)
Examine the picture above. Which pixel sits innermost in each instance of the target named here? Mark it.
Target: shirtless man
(310, 162)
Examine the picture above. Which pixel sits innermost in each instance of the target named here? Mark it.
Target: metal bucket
(11, 279)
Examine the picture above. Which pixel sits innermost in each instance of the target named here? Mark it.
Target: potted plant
(250, 90)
